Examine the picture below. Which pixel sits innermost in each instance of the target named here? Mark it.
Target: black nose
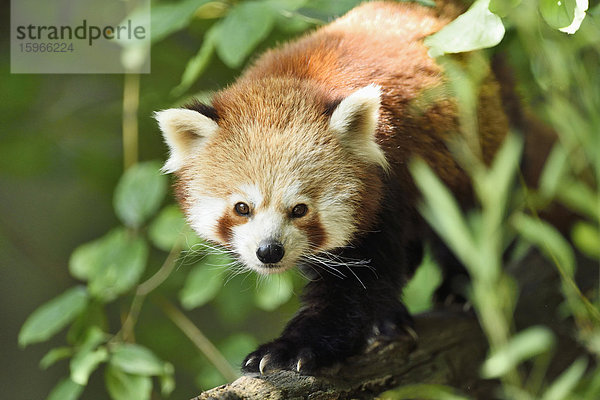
(270, 252)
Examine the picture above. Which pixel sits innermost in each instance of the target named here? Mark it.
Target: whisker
(325, 266)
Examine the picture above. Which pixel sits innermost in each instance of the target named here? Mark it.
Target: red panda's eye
(242, 209)
(299, 210)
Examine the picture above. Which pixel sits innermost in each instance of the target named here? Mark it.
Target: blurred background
(62, 156)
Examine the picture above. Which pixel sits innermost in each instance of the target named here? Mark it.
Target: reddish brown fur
(314, 231)
(334, 61)
(226, 224)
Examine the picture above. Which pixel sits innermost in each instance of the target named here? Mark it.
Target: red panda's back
(382, 43)
(374, 43)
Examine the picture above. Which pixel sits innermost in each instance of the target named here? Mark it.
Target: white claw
(263, 364)
(467, 306)
(299, 365)
(250, 361)
(412, 333)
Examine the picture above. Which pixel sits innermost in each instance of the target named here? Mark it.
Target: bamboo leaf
(522, 346)
(442, 212)
(564, 385)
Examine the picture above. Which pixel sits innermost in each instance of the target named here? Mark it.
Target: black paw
(393, 325)
(282, 354)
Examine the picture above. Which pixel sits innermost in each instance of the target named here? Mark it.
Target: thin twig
(131, 100)
(146, 287)
(199, 339)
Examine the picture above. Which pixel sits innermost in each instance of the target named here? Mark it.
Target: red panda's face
(276, 193)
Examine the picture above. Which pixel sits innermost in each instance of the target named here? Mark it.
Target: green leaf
(88, 356)
(124, 386)
(66, 390)
(51, 317)
(236, 347)
(547, 239)
(288, 20)
(292, 23)
(167, 381)
(579, 197)
(564, 385)
(246, 25)
(55, 355)
(204, 281)
(94, 315)
(139, 193)
(167, 228)
(324, 11)
(477, 28)
(123, 266)
(197, 64)
(172, 16)
(422, 391)
(504, 167)
(235, 302)
(591, 390)
(502, 7)
(83, 366)
(274, 291)
(493, 186)
(209, 377)
(558, 13)
(84, 259)
(418, 293)
(587, 238)
(554, 171)
(287, 5)
(112, 264)
(523, 346)
(137, 360)
(442, 212)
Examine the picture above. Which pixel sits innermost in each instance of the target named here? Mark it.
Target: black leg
(337, 320)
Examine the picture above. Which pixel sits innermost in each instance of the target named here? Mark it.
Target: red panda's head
(274, 172)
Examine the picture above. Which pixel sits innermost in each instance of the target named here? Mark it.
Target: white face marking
(250, 194)
(267, 225)
(274, 223)
(204, 215)
(336, 219)
(291, 195)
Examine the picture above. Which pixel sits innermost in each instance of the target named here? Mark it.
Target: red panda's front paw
(282, 354)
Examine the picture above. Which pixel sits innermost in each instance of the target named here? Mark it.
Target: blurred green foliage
(125, 322)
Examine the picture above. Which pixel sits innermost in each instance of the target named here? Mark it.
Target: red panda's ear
(183, 130)
(355, 121)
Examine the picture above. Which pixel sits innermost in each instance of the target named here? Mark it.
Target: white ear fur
(355, 120)
(183, 130)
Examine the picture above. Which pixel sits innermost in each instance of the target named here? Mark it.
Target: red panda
(303, 162)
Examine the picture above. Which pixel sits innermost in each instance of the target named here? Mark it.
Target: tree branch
(450, 349)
